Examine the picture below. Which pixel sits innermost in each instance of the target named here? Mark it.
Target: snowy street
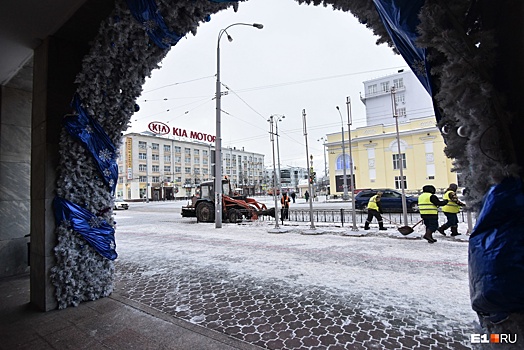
(334, 290)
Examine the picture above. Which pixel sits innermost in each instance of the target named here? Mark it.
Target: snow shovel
(406, 230)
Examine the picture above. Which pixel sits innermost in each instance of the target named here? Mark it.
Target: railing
(344, 216)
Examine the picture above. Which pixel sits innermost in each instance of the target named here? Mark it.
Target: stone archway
(123, 54)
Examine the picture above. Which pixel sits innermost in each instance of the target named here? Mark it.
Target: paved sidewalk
(109, 323)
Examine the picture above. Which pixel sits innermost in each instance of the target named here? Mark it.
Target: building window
(167, 168)
(196, 152)
(178, 169)
(400, 98)
(384, 87)
(372, 89)
(167, 158)
(204, 171)
(187, 160)
(398, 184)
(398, 83)
(401, 112)
(167, 148)
(396, 163)
(155, 168)
(155, 157)
(204, 152)
(196, 160)
(187, 150)
(204, 161)
(142, 156)
(142, 179)
(155, 179)
(178, 159)
(197, 171)
(179, 179)
(155, 146)
(142, 144)
(178, 149)
(187, 170)
(340, 162)
(142, 167)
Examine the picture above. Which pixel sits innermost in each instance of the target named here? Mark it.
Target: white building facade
(412, 100)
(174, 168)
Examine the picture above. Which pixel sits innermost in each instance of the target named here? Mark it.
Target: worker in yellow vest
(428, 204)
(374, 210)
(450, 210)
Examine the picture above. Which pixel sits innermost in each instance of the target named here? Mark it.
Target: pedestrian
(306, 196)
(375, 211)
(285, 206)
(450, 210)
(428, 204)
(293, 195)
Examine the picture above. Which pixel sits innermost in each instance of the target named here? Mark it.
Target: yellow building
(377, 162)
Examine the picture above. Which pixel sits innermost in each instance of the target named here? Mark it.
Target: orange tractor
(235, 207)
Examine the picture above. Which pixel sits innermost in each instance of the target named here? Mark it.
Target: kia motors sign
(160, 128)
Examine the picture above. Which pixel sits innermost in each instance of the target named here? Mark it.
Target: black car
(391, 200)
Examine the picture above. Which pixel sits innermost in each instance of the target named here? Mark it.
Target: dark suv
(391, 200)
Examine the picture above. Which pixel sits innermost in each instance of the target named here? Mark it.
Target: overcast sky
(306, 57)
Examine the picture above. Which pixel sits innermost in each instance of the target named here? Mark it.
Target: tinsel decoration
(146, 12)
(96, 231)
(91, 135)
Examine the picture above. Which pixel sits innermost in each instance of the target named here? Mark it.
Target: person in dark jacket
(374, 210)
(293, 196)
(285, 206)
(428, 204)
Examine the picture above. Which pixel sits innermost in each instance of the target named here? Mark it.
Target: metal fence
(344, 216)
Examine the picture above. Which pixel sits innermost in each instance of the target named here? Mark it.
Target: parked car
(391, 200)
(120, 204)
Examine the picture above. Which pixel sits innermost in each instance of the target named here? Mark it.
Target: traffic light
(312, 177)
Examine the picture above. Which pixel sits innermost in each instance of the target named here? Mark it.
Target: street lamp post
(345, 196)
(400, 161)
(278, 119)
(218, 137)
(352, 179)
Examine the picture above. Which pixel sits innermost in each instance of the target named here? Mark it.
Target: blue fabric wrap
(496, 252)
(400, 18)
(146, 12)
(93, 137)
(98, 233)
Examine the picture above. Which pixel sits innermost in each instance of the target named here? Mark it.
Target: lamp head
(338, 108)
(258, 25)
(229, 37)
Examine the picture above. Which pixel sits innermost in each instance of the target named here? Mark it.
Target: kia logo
(158, 128)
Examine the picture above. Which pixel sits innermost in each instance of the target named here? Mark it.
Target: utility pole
(311, 193)
(400, 160)
(272, 137)
(352, 180)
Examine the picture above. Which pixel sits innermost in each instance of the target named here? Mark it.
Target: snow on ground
(388, 269)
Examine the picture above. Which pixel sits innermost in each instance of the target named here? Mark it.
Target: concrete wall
(15, 167)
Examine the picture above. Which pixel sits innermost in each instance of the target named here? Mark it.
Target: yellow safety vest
(424, 204)
(372, 204)
(451, 207)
